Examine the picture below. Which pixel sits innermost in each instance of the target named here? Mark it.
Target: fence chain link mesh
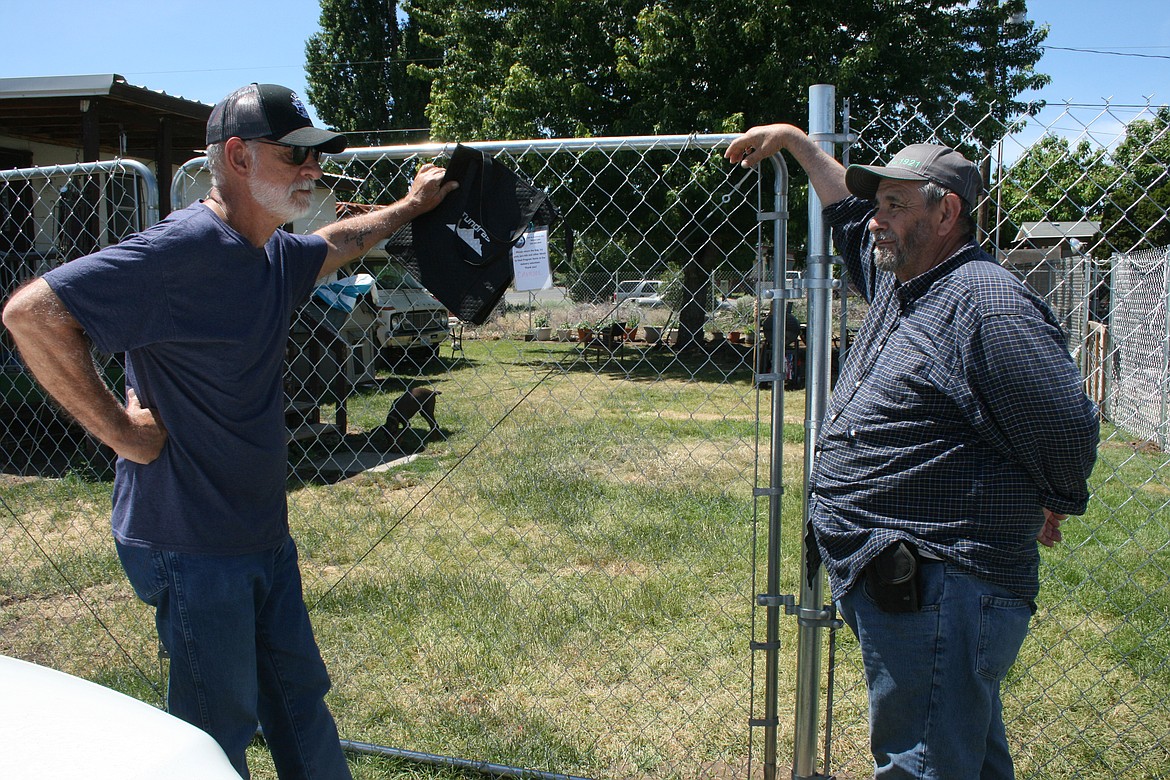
(559, 577)
(563, 576)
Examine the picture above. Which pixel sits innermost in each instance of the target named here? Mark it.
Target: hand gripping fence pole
(813, 616)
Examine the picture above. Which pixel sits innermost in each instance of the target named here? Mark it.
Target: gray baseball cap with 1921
(272, 112)
(920, 162)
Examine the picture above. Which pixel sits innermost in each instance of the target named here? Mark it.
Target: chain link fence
(561, 576)
(1139, 369)
(557, 578)
(49, 216)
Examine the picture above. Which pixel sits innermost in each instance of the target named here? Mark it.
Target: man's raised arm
(826, 173)
(349, 238)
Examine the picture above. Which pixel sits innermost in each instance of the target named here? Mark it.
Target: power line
(1113, 53)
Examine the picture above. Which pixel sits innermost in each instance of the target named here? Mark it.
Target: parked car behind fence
(640, 292)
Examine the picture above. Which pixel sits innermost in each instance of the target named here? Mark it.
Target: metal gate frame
(782, 288)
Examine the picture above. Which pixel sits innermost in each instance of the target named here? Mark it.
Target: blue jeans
(242, 652)
(934, 675)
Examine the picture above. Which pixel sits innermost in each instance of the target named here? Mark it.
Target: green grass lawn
(565, 581)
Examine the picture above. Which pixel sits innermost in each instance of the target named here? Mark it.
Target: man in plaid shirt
(957, 436)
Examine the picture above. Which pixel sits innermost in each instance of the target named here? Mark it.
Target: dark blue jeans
(242, 652)
(934, 676)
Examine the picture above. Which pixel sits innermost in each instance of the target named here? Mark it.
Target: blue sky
(1134, 73)
(204, 50)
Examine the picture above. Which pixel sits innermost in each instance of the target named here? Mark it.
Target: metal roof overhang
(130, 121)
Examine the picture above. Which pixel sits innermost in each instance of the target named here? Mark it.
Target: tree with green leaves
(1126, 190)
(1053, 181)
(567, 68)
(513, 69)
(1137, 213)
(523, 68)
(358, 69)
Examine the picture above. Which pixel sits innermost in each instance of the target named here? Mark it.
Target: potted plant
(743, 316)
(542, 327)
(632, 322)
(584, 331)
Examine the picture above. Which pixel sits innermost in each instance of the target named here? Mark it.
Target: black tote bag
(462, 250)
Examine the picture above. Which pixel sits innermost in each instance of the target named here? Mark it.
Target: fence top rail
(1155, 256)
(74, 169)
(149, 181)
(537, 145)
(633, 143)
(638, 142)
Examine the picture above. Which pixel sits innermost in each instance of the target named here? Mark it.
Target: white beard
(281, 203)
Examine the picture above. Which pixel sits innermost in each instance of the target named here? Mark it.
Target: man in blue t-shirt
(200, 304)
(957, 436)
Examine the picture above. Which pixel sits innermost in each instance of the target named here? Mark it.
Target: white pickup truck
(411, 321)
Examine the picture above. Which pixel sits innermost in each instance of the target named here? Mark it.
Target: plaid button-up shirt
(958, 416)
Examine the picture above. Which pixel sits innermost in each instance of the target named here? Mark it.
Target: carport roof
(49, 109)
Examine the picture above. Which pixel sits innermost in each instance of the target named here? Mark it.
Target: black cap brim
(325, 140)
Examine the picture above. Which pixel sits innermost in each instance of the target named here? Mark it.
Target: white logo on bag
(471, 233)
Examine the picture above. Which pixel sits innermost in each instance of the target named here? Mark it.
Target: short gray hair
(932, 195)
(216, 160)
(215, 163)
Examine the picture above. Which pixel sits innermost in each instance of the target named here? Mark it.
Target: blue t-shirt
(203, 317)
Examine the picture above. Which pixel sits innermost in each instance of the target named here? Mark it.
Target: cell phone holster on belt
(891, 579)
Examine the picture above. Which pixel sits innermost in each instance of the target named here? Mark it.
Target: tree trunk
(692, 316)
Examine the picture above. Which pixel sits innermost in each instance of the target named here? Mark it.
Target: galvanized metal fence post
(811, 613)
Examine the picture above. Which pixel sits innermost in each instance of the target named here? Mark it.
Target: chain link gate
(59, 593)
(48, 216)
(605, 470)
(563, 580)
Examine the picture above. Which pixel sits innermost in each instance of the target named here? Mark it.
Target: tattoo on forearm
(359, 237)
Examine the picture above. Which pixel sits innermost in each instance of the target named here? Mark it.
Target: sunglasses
(297, 154)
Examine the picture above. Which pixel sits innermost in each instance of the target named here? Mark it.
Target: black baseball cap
(272, 112)
(920, 162)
